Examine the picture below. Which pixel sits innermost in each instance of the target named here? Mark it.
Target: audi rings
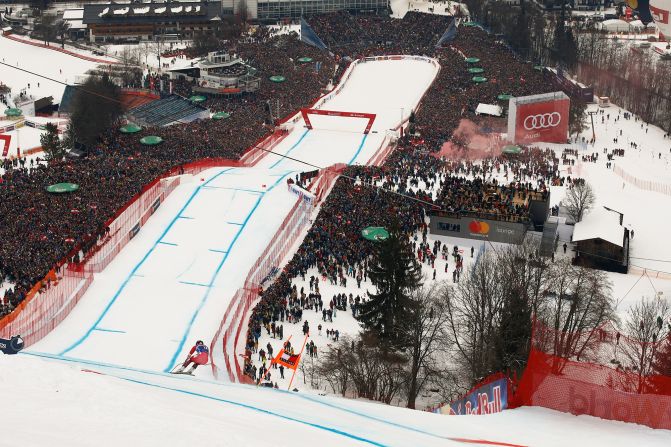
(542, 121)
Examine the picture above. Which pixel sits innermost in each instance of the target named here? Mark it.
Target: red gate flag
(288, 360)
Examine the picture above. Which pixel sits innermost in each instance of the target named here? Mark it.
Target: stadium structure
(273, 10)
(166, 111)
(220, 73)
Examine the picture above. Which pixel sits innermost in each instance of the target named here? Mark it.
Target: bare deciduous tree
(580, 198)
(426, 332)
(646, 325)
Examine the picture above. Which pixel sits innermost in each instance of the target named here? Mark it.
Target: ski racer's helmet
(199, 342)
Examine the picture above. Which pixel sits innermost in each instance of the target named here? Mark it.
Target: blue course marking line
(167, 243)
(234, 223)
(315, 400)
(358, 151)
(205, 396)
(136, 268)
(185, 217)
(260, 410)
(189, 283)
(217, 251)
(296, 144)
(216, 273)
(109, 330)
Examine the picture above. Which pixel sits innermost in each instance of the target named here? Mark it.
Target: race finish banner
(539, 118)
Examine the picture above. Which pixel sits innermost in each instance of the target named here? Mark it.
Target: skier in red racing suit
(198, 355)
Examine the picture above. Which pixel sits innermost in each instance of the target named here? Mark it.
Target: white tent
(615, 26)
(488, 109)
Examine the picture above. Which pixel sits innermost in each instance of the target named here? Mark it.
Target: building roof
(73, 14)
(600, 224)
(153, 12)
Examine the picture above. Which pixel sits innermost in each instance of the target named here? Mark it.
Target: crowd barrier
(52, 298)
(262, 146)
(235, 318)
(61, 50)
(647, 185)
(15, 125)
(234, 322)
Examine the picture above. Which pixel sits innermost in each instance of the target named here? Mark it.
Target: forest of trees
(633, 78)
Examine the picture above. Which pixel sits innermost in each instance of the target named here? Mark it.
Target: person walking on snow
(198, 355)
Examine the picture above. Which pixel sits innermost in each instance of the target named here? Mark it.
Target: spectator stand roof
(154, 12)
(601, 223)
(166, 111)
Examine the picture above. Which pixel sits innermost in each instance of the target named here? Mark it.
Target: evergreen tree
(96, 106)
(51, 144)
(395, 273)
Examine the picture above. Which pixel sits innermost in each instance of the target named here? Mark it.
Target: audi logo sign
(542, 121)
(539, 118)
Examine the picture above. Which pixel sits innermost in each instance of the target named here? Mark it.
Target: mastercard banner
(474, 228)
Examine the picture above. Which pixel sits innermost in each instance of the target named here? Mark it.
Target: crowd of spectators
(334, 245)
(39, 230)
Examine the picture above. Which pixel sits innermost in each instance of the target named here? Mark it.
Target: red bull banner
(539, 118)
(489, 396)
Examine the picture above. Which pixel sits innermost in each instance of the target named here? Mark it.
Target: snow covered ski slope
(172, 283)
(70, 405)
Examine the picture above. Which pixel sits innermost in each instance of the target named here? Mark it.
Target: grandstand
(167, 111)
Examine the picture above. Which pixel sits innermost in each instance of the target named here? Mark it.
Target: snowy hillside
(65, 403)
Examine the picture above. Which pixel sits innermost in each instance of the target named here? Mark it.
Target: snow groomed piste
(174, 281)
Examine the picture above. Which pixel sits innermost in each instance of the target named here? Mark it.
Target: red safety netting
(235, 317)
(52, 299)
(599, 373)
(645, 184)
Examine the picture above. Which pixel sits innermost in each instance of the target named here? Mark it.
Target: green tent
(476, 70)
(472, 60)
(512, 149)
(61, 188)
(479, 79)
(504, 97)
(469, 24)
(198, 98)
(278, 78)
(304, 60)
(13, 112)
(151, 140)
(375, 233)
(220, 115)
(130, 128)
(538, 67)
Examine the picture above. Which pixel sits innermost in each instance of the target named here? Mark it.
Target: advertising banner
(487, 399)
(539, 118)
(475, 228)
